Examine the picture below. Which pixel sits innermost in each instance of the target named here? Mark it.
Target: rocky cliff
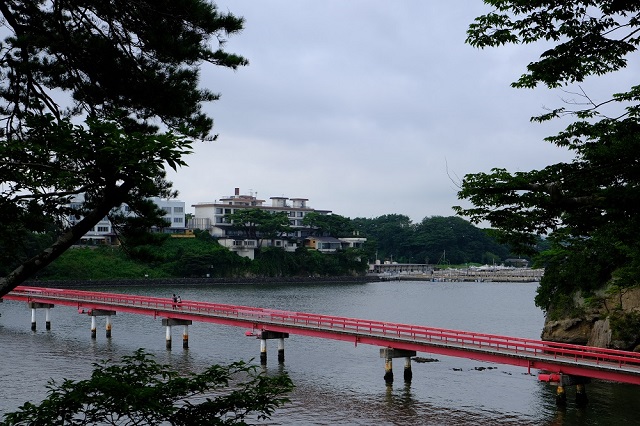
(609, 320)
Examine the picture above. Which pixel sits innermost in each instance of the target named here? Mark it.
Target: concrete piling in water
(168, 323)
(268, 335)
(263, 351)
(185, 337)
(388, 354)
(108, 327)
(408, 374)
(581, 395)
(281, 350)
(34, 307)
(561, 397)
(561, 381)
(99, 313)
(47, 318)
(388, 370)
(93, 327)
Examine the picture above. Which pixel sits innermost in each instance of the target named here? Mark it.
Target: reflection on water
(337, 383)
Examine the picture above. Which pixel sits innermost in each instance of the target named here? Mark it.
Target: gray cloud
(365, 108)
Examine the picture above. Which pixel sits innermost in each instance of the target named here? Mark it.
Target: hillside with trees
(394, 237)
(435, 240)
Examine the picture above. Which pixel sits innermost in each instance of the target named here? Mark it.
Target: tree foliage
(140, 391)
(395, 237)
(332, 225)
(96, 98)
(587, 207)
(258, 224)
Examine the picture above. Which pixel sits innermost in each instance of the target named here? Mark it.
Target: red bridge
(397, 340)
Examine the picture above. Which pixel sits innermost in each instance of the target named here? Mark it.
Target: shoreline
(166, 282)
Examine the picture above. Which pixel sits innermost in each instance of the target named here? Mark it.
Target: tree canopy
(394, 237)
(258, 224)
(332, 225)
(96, 98)
(140, 391)
(587, 208)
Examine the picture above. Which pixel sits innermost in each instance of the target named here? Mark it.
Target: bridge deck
(601, 363)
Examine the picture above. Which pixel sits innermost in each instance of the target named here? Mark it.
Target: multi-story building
(174, 214)
(103, 232)
(213, 217)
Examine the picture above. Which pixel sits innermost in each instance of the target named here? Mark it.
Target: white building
(174, 214)
(103, 232)
(212, 217)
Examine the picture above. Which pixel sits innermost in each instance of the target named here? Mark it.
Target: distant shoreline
(166, 282)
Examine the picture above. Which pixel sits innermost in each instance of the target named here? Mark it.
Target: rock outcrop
(595, 327)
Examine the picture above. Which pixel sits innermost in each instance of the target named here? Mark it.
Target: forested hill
(434, 240)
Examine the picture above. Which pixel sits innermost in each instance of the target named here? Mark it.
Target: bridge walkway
(575, 360)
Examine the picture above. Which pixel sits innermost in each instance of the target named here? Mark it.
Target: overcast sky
(366, 108)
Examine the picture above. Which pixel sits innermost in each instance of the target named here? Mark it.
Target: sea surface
(337, 383)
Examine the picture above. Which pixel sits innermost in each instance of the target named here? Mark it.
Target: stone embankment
(515, 275)
(143, 282)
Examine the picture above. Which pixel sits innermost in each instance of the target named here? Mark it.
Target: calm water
(337, 383)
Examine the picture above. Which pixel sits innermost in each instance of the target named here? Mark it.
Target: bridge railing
(414, 333)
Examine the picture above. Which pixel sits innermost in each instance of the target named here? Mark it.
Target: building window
(300, 214)
(178, 209)
(103, 229)
(218, 210)
(167, 210)
(228, 211)
(177, 220)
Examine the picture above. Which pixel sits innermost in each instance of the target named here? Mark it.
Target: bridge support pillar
(281, 350)
(108, 327)
(388, 354)
(388, 370)
(408, 374)
(33, 319)
(581, 395)
(47, 318)
(263, 351)
(34, 307)
(99, 313)
(268, 335)
(168, 323)
(93, 326)
(561, 396)
(185, 337)
(561, 381)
